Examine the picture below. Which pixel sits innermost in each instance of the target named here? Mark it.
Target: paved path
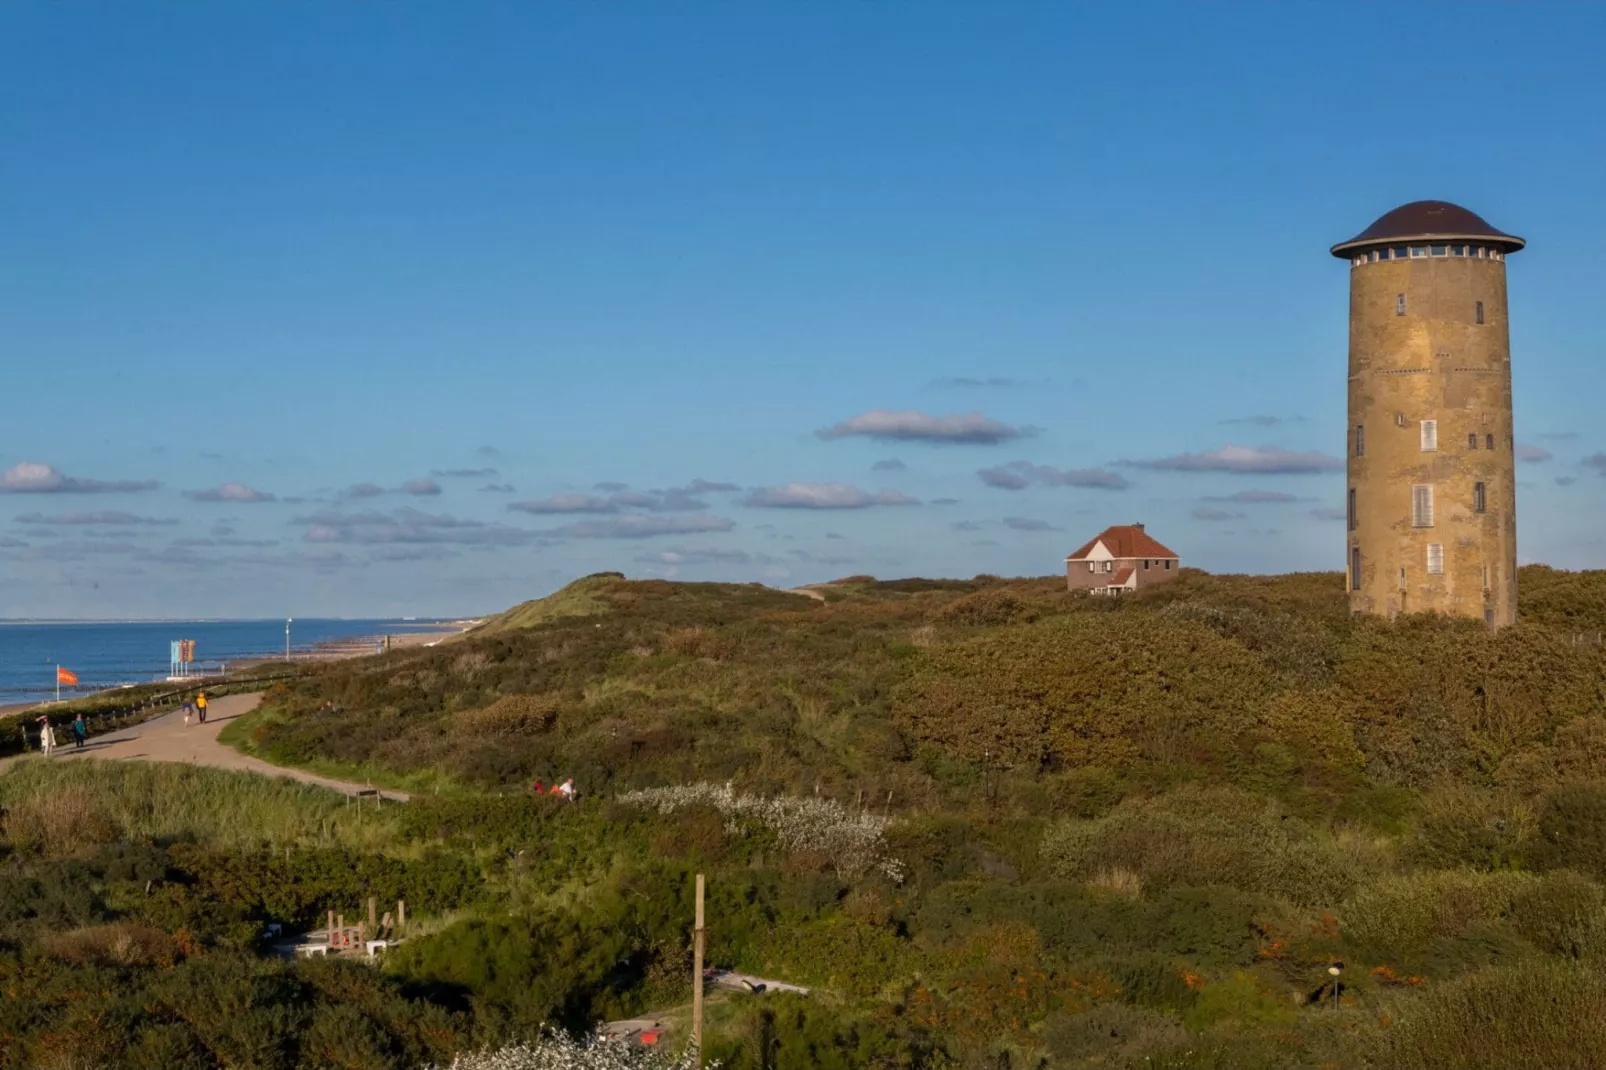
(168, 739)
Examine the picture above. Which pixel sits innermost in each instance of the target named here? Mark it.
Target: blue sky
(260, 254)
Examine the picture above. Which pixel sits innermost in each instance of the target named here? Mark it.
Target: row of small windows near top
(1422, 505)
(1477, 309)
(1429, 432)
(1422, 252)
(1109, 566)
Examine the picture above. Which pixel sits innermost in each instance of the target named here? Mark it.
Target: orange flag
(64, 676)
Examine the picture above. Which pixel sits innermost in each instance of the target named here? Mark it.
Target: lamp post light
(1336, 969)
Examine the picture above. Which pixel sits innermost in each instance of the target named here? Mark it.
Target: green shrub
(1533, 1013)
(1209, 836)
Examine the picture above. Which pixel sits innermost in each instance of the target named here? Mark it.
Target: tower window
(1479, 498)
(1430, 435)
(1479, 312)
(1488, 442)
(1355, 568)
(1421, 506)
(1352, 507)
(1435, 559)
(1399, 304)
(1472, 441)
(1458, 250)
(1402, 577)
(1360, 440)
(1439, 250)
(1418, 251)
(1485, 577)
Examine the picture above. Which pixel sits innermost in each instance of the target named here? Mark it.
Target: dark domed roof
(1429, 219)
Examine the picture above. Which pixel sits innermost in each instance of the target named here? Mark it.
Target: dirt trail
(168, 739)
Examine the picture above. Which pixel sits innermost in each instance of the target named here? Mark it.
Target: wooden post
(331, 923)
(373, 917)
(401, 916)
(697, 976)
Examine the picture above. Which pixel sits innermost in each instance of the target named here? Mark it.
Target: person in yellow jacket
(200, 705)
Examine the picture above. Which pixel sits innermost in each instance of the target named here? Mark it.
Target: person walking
(200, 705)
(80, 732)
(47, 737)
(566, 789)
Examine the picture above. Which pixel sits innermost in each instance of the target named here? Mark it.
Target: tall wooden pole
(697, 976)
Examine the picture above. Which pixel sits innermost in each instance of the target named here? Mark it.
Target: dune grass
(63, 803)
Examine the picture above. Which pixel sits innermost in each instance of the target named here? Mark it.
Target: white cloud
(421, 488)
(640, 526)
(1261, 460)
(106, 518)
(909, 426)
(823, 496)
(229, 492)
(33, 477)
(1018, 475)
(1257, 497)
(567, 503)
(1532, 454)
(1206, 513)
(697, 555)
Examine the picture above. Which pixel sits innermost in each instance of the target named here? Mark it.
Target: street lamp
(1335, 969)
(287, 639)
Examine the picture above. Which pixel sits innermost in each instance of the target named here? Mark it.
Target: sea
(108, 654)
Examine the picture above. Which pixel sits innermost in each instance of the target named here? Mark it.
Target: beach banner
(65, 676)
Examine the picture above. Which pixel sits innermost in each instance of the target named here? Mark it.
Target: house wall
(1078, 578)
(1435, 362)
(1156, 572)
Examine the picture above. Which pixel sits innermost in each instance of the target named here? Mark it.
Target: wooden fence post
(697, 977)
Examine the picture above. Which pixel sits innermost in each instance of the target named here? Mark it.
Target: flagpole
(58, 683)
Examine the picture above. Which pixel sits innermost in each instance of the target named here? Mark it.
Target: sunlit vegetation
(989, 823)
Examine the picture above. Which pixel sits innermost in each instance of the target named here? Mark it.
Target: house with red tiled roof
(1120, 559)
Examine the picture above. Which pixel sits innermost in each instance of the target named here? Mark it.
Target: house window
(1145, 566)
(1360, 440)
(1430, 435)
(1399, 304)
(1488, 442)
(1480, 312)
(1435, 559)
(1352, 509)
(1109, 566)
(1168, 566)
(1355, 568)
(1090, 566)
(1479, 499)
(1421, 506)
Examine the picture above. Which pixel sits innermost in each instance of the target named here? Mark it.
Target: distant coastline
(109, 655)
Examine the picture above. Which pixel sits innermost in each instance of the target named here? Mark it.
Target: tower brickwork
(1431, 495)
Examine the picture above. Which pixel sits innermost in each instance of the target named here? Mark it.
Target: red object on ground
(649, 1038)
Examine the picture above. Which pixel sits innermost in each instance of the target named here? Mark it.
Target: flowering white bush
(856, 843)
(559, 1051)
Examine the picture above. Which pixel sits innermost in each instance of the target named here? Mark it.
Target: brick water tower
(1432, 508)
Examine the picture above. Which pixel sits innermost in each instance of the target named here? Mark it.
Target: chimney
(1138, 526)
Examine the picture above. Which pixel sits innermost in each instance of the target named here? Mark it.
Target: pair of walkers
(47, 734)
(198, 706)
